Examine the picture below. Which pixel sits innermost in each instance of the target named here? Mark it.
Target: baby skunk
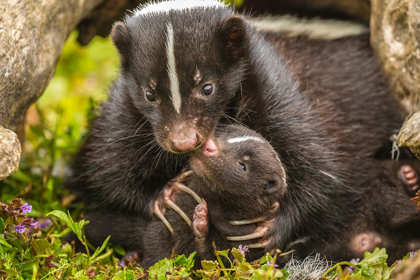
(239, 176)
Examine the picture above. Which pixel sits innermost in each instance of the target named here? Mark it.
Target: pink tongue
(210, 148)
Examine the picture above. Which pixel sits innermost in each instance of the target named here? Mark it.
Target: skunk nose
(210, 148)
(186, 144)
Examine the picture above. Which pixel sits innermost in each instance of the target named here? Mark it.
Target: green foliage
(239, 268)
(29, 250)
(372, 267)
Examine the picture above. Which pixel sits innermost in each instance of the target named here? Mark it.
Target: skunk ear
(233, 34)
(122, 38)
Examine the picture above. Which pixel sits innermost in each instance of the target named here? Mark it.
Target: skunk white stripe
(313, 28)
(166, 6)
(244, 138)
(173, 76)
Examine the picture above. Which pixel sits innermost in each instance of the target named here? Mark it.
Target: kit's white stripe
(245, 138)
(173, 76)
(165, 6)
(314, 28)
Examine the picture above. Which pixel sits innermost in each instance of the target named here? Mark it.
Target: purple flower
(121, 264)
(355, 261)
(350, 269)
(44, 223)
(270, 263)
(243, 249)
(20, 228)
(26, 208)
(412, 254)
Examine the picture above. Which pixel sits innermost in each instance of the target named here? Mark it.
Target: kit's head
(181, 63)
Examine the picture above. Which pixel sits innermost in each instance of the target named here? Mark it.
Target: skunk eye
(150, 96)
(242, 165)
(207, 90)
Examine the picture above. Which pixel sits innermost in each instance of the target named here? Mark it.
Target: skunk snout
(184, 139)
(210, 149)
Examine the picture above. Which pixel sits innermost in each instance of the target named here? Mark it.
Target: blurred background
(56, 123)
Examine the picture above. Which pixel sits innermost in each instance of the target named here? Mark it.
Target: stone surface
(408, 269)
(10, 152)
(409, 135)
(32, 35)
(395, 36)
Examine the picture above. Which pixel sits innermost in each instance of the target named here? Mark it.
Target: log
(395, 37)
(10, 152)
(100, 21)
(409, 135)
(32, 35)
(340, 9)
(408, 269)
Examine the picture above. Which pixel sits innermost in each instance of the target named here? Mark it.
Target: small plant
(31, 248)
(372, 267)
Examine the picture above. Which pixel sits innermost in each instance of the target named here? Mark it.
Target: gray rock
(32, 35)
(409, 135)
(395, 37)
(10, 152)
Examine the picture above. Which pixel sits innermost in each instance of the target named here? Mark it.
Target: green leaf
(41, 246)
(266, 258)
(179, 260)
(119, 250)
(161, 269)
(244, 269)
(67, 248)
(377, 256)
(373, 266)
(3, 242)
(408, 256)
(99, 250)
(190, 261)
(209, 265)
(224, 253)
(281, 274)
(81, 259)
(81, 224)
(75, 227)
(1, 225)
(62, 216)
(27, 266)
(237, 254)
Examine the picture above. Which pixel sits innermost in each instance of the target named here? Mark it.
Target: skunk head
(181, 63)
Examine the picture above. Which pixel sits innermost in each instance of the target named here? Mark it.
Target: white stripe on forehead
(166, 6)
(245, 138)
(173, 76)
